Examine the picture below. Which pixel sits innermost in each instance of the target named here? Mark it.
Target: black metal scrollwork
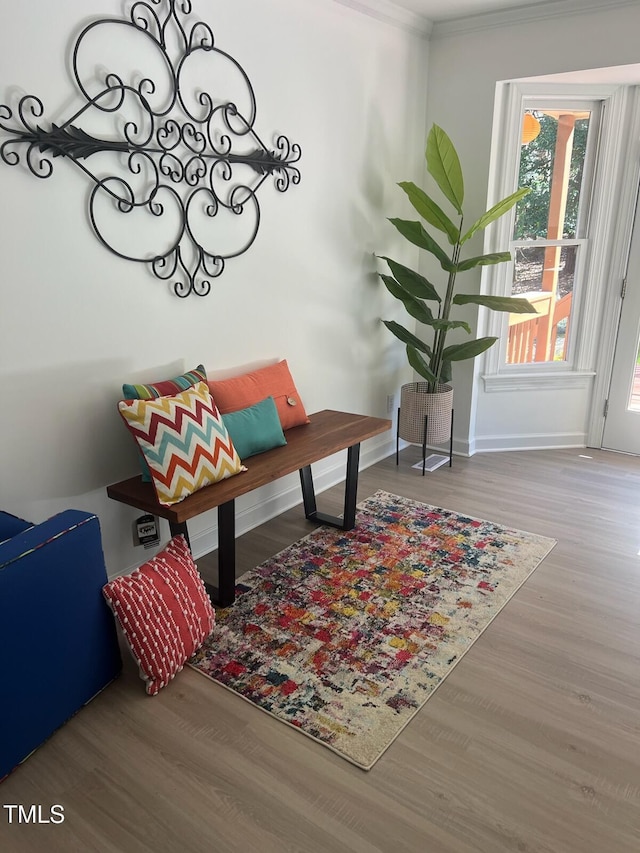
(179, 148)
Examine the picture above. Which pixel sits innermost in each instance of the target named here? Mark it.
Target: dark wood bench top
(328, 432)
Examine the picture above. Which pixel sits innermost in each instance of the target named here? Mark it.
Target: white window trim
(510, 98)
(576, 310)
(626, 196)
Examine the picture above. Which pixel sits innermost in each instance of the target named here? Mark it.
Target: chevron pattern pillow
(183, 440)
(164, 388)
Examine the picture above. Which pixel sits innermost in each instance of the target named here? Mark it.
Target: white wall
(76, 321)
(464, 68)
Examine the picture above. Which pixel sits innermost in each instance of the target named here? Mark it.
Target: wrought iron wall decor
(181, 156)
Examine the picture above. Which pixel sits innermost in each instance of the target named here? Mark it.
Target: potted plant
(432, 399)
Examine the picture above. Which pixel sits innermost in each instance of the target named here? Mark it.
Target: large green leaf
(484, 260)
(451, 324)
(429, 210)
(469, 349)
(414, 306)
(512, 304)
(415, 233)
(496, 212)
(445, 372)
(419, 364)
(406, 336)
(417, 285)
(443, 165)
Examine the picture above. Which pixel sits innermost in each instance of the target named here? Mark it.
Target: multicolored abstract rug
(345, 635)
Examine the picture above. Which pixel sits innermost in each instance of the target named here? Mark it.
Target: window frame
(582, 245)
(603, 158)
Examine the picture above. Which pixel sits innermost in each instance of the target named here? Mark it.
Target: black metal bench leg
(178, 528)
(308, 492)
(348, 520)
(225, 593)
(351, 487)
(226, 554)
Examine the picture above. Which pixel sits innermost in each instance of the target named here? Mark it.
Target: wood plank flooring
(532, 744)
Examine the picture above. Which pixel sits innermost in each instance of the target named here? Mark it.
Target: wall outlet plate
(146, 531)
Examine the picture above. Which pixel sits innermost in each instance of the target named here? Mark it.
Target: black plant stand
(424, 442)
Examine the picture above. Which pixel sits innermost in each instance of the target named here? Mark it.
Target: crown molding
(524, 14)
(390, 13)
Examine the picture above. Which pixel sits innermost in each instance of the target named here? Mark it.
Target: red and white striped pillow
(164, 612)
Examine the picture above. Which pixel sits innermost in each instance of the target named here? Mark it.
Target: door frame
(626, 187)
(613, 395)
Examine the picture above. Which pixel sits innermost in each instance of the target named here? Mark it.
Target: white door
(622, 423)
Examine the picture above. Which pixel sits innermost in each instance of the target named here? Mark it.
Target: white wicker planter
(416, 404)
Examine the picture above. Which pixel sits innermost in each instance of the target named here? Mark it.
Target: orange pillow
(240, 392)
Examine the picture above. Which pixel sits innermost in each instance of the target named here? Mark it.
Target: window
(567, 143)
(550, 228)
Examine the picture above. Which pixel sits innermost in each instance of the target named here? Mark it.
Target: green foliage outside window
(536, 169)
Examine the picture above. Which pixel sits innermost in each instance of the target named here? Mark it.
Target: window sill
(549, 380)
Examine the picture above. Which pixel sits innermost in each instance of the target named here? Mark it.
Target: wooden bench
(328, 432)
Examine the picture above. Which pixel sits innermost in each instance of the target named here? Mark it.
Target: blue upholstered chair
(58, 641)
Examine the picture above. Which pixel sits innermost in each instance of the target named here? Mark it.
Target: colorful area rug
(345, 635)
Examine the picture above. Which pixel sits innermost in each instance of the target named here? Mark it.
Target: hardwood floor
(532, 744)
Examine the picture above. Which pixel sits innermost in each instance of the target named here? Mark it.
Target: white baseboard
(531, 441)
(270, 501)
(266, 503)
(278, 497)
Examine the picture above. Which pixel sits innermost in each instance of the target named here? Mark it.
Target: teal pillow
(255, 429)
